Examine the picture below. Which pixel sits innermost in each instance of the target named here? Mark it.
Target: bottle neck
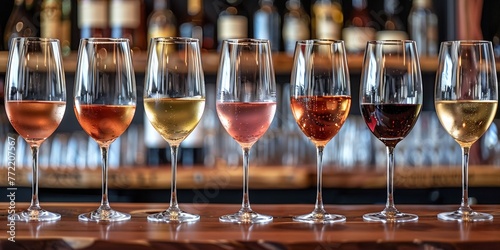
(359, 4)
(160, 4)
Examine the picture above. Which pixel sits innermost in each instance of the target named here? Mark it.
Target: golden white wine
(466, 120)
(174, 118)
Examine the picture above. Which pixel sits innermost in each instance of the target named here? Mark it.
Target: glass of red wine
(466, 100)
(35, 102)
(246, 104)
(105, 100)
(320, 99)
(390, 100)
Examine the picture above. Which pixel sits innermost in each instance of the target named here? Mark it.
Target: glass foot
(174, 215)
(467, 216)
(34, 214)
(390, 217)
(104, 215)
(319, 218)
(246, 217)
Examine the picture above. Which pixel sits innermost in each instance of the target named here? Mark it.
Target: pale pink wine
(246, 122)
(35, 120)
(104, 123)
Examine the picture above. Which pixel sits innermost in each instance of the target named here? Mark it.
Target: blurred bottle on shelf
(161, 21)
(126, 21)
(327, 19)
(193, 27)
(358, 28)
(232, 21)
(55, 22)
(393, 26)
(93, 18)
(423, 27)
(21, 22)
(266, 24)
(296, 23)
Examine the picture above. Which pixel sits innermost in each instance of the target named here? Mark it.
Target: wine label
(93, 14)
(293, 30)
(232, 27)
(51, 20)
(356, 37)
(125, 13)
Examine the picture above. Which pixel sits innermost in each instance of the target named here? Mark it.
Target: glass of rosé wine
(246, 104)
(320, 100)
(105, 101)
(35, 102)
(174, 101)
(390, 99)
(466, 100)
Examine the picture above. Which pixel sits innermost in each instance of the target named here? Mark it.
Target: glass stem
(464, 206)
(245, 204)
(35, 203)
(104, 199)
(318, 207)
(173, 184)
(389, 206)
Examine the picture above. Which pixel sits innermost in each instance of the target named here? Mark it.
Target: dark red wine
(390, 123)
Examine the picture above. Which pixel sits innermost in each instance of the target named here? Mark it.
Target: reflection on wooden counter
(282, 233)
(261, 177)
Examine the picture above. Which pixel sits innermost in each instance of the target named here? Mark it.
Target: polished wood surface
(282, 233)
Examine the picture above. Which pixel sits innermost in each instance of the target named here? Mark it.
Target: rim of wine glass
(246, 41)
(175, 39)
(35, 39)
(320, 41)
(104, 40)
(391, 42)
(466, 42)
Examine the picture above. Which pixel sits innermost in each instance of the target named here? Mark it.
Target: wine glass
(105, 101)
(390, 100)
(35, 102)
(246, 104)
(320, 100)
(466, 100)
(174, 100)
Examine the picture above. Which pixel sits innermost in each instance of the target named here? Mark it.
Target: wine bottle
(327, 19)
(125, 22)
(358, 28)
(393, 26)
(93, 18)
(232, 22)
(161, 21)
(296, 23)
(423, 29)
(66, 27)
(193, 27)
(267, 23)
(20, 23)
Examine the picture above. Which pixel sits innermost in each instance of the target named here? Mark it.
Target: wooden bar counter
(282, 233)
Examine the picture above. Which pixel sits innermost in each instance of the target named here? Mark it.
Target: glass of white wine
(466, 99)
(174, 100)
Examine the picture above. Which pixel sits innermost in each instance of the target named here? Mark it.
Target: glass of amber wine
(246, 104)
(105, 100)
(35, 102)
(320, 99)
(174, 100)
(390, 100)
(466, 99)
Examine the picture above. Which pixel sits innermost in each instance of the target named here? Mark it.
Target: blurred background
(283, 161)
